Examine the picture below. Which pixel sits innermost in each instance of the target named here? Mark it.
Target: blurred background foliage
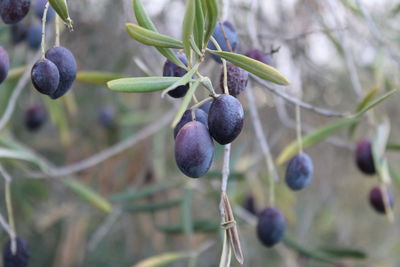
(332, 51)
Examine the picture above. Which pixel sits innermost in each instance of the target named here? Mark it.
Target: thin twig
(277, 91)
(44, 18)
(17, 92)
(261, 137)
(107, 153)
(104, 228)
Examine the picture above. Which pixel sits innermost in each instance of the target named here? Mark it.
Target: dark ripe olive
(18, 259)
(364, 158)
(201, 116)
(172, 70)
(376, 199)
(299, 172)
(271, 226)
(237, 79)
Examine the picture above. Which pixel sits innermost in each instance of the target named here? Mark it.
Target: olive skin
(259, 55)
(172, 70)
(21, 256)
(194, 149)
(364, 158)
(271, 226)
(377, 201)
(201, 116)
(237, 79)
(107, 117)
(35, 117)
(4, 64)
(299, 172)
(206, 107)
(13, 11)
(66, 65)
(218, 34)
(45, 76)
(34, 36)
(225, 119)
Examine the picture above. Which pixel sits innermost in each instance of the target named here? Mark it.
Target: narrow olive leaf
(187, 28)
(212, 18)
(144, 20)
(367, 99)
(61, 7)
(395, 175)
(143, 192)
(313, 138)
(226, 255)
(198, 29)
(199, 226)
(185, 103)
(149, 37)
(186, 212)
(376, 102)
(153, 207)
(97, 77)
(193, 45)
(290, 243)
(256, 67)
(16, 73)
(232, 231)
(18, 155)
(393, 146)
(88, 194)
(161, 260)
(183, 80)
(141, 84)
(348, 253)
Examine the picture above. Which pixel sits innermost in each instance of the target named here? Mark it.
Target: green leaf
(139, 193)
(185, 103)
(88, 194)
(61, 7)
(19, 155)
(183, 80)
(393, 146)
(199, 226)
(186, 212)
(198, 30)
(313, 138)
(348, 253)
(395, 175)
(141, 84)
(256, 67)
(290, 243)
(152, 38)
(97, 77)
(161, 260)
(153, 207)
(144, 20)
(211, 11)
(187, 28)
(363, 103)
(375, 102)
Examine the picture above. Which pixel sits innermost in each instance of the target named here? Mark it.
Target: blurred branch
(376, 33)
(277, 91)
(107, 153)
(351, 67)
(291, 37)
(104, 228)
(255, 119)
(17, 92)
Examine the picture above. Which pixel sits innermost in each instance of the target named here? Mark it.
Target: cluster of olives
(30, 34)
(221, 120)
(18, 257)
(365, 162)
(54, 74)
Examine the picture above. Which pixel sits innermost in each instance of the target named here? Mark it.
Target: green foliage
(61, 7)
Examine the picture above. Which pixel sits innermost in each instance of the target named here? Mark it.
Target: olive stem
(298, 129)
(44, 18)
(57, 24)
(226, 91)
(202, 102)
(10, 214)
